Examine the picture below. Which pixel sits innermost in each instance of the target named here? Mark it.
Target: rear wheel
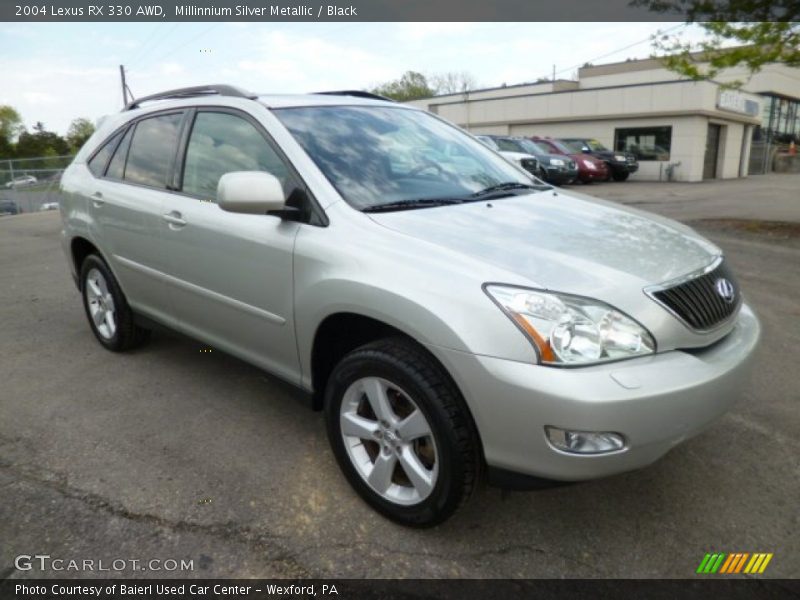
(401, 432)
(107, 310)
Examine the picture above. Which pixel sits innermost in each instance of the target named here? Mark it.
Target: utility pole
(124, 86)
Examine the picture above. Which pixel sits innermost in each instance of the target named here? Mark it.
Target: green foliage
(411, 86)
(40, 143)
(79, 131)
(764, 31)
(10, 128)
(414, 86)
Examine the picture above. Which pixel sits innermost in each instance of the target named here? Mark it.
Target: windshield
(561, 146)
(579, 145)
(596, 146)
(375, 155)
(509, 145)
(532, 147)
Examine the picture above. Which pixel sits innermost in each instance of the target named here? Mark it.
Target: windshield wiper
(507, 187)
(411, 203)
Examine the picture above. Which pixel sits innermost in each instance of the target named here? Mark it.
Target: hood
(516, 156)
(561, 241)
(592, 159)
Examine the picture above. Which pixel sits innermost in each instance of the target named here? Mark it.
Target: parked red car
(589, 168)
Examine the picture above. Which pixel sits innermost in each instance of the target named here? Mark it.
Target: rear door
(127, 205)
(231, 278)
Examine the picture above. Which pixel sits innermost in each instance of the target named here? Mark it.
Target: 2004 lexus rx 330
(450, 314)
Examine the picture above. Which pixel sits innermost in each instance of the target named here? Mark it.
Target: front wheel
(401, 432)
(620, 176)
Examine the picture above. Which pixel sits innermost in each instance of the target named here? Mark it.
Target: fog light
(585, 442)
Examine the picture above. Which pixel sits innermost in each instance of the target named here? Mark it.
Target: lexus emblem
(725, 289)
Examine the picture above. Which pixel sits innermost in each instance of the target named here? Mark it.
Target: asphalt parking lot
(169, 452)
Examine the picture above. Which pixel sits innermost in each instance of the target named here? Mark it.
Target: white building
(698, 128)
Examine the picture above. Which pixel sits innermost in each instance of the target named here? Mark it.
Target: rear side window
(221, 143)
(152, 150)
(116, 168)
(97, 165)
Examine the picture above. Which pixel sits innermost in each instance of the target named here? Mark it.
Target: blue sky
(53, 72)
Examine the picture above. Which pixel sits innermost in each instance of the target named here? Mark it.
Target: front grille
(530, 165)
(702, 301)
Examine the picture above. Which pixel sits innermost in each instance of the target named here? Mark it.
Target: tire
(107, 310)
(620, 176)
(430, 432)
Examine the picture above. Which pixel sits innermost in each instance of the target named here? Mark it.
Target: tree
(452, 82)
(411, 86)
(79, 131)
(764, 31)
(10, 128)
(40, 143)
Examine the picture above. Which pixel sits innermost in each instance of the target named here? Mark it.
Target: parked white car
(49, 206)
(21, 181)
(527, 161)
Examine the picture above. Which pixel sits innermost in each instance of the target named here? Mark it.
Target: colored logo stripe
(734, 562)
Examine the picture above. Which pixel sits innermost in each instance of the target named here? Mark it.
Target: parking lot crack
(267, 544)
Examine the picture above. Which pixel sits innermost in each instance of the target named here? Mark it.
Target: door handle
(97, 199)
(174, 219)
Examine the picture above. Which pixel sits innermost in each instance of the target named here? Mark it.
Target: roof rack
(191, 92)
(356, 94)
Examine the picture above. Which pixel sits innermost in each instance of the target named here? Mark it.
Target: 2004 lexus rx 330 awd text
(451, 315)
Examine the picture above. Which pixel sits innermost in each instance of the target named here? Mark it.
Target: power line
(647, 39)
(143, 47)
(155, 45)
(185, 43)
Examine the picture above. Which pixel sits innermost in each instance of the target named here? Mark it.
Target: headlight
(619, 157)
(572, 330)
(556, 162)
(589, 164)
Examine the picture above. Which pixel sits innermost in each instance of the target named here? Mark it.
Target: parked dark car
(554, 168)
(622, 164)
(8, 207)
(590, 168)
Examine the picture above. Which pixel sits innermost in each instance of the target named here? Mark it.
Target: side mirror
(250, 192)
(586, 149)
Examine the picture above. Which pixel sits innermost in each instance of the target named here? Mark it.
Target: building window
(645, 143)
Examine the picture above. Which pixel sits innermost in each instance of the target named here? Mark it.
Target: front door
(230, 275)
(712, 151)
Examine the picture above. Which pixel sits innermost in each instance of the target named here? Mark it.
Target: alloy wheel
(101, 304)
(389, 440)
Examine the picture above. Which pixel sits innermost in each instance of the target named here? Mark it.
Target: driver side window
(222, 143)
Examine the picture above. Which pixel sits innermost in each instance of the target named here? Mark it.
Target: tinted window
(221, 143)
(116, 168)
(98, 163)
(645, 143)
(152, 150)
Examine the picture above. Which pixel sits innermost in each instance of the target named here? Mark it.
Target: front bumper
(655, 402)
(559, 175)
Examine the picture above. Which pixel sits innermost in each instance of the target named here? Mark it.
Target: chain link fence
(31, 184)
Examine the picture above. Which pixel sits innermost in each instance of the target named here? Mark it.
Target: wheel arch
(341, 332)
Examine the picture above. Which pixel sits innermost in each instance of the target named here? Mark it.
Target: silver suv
(451, 316)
